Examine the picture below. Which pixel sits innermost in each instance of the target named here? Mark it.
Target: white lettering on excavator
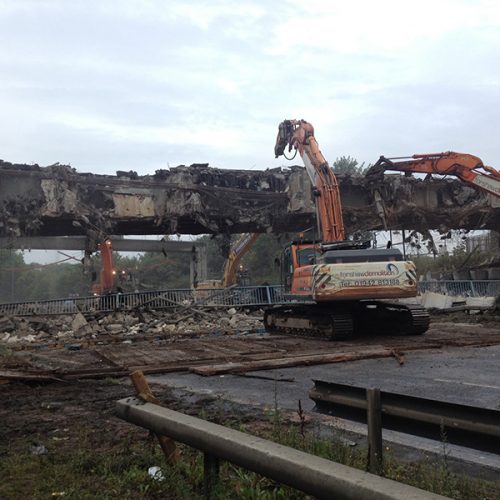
(365, 274)
(377, 282)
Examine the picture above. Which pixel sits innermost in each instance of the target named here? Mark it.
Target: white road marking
(467, 383)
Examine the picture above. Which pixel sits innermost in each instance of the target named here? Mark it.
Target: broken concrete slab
(58, 201)
(78, 322)
(432, 300)
(480, 302)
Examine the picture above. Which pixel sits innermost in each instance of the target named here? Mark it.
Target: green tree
(345, 165)
(158, 271)
(217, 251)
(11, 263)
(260, 260)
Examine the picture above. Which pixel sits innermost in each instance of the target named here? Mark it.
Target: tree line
(20, 281)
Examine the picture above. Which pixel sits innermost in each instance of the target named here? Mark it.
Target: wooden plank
(270, 364)
(106, 357)
(144, 392)
(27, 376)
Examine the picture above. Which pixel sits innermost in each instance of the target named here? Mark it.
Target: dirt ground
(58, 429)
(62, 439)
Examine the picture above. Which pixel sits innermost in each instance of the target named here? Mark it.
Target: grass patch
(94, 464)
(87, 474)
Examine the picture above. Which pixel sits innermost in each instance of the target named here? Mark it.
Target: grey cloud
(66, 62)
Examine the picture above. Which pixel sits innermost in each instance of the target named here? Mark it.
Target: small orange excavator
(233, 271)
(106, 283)
(334, 287)
(467, 167)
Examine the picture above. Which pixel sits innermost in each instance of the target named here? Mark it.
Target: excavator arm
(467, 167)
(107, 276)
(240, 248)
(299, 135)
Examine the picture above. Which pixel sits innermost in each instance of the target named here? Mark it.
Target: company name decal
(390, 270)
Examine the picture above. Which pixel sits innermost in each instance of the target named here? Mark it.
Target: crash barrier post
(313, 475)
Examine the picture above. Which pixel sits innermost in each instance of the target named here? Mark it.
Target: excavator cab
(297, 254)
(287, 269)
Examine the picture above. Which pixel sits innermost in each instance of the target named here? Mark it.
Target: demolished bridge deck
(57, 201)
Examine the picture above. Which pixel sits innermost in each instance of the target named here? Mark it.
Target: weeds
(118, 468)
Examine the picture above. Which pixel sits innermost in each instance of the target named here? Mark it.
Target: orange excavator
(232, 267)
(106, 282)
(334, 287)
(467, 167)
(233, 271)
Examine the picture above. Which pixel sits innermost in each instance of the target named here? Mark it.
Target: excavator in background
(334, 286)
(233, 270)
(107, 275)
(234, 273)
(467, 167)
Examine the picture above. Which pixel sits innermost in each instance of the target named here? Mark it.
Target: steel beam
(314, 475)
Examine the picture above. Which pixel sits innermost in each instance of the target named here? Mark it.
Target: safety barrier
(316, 476)
(248, 296)
(486, 288)
(464, 424)
(251, 296)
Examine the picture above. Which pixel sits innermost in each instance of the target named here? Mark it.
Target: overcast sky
(108, 85)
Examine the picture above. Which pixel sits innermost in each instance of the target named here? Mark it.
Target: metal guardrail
(463, 424)
(316, 476)
(213, 297)
(252, 296)
(486, 288)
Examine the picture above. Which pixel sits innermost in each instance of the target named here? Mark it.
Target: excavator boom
(107, 275)
(299, 135)
(240, 248)
(467, 167)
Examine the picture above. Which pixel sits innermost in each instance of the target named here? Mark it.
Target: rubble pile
(73, 329)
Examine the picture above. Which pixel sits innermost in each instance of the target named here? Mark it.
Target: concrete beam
(82, 243)
(58, 201)
(197, 250)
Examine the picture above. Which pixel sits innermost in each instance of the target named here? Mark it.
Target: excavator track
(348, 319)
(391, 318)
(310, 321)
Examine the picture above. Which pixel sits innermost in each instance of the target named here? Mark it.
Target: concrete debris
(441, 301)
(38, 449)
(6, 325)
(59, 201)
(73, 330)
(78, 322)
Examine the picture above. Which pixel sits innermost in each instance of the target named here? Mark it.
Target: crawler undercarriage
(343, 320)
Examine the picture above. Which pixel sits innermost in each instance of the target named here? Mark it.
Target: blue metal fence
(251, 296)
(485, 288)
(157, 299)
